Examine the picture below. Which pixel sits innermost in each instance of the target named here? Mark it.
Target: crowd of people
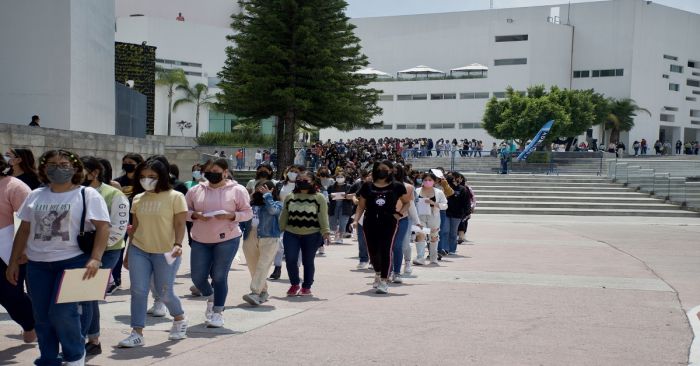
(141, 219)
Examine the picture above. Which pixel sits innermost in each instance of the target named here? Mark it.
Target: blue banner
(539, 138)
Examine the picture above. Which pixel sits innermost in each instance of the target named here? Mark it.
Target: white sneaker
(178, 330)
(419, 261)
(252, 299)
(362, 265)
(377, 279)
(133, 340)
(263, 297)
(396, 278)
(407, 268)
(210, 309)
(322, 250)
(383, 287)
(216, 321)
(158, 310)
(80, 362)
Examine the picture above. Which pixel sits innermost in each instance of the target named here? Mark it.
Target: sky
(373, 8)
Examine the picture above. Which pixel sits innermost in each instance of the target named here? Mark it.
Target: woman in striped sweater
(304, 220)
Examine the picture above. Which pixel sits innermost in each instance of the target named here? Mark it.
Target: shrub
(239, 138)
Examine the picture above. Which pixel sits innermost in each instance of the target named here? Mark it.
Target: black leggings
(380, 234)
(14, 300)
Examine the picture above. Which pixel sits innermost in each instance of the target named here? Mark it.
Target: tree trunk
(170, 107)
(285, 141)
(196, 123)
(615, 135)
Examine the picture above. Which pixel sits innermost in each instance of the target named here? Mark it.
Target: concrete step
(642, 199)
(593, 190)
(545, 184)
(530, 193)
(585, 212)
(576, 205)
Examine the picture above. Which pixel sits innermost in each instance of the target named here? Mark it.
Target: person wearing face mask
(429, 202)
(441, 184)
(363, 256)
(263, 172)
(197, 176)
(13, 192)
(215, 208)
(118, 208)
(304, 221)
(51, 218)
(284, 187)
(260, 239)
(339, 206)
(22, 167)
(458, 207)
(155, 248)
(378, 201)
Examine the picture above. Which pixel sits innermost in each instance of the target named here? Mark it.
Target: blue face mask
(196, 175)
(419, 181)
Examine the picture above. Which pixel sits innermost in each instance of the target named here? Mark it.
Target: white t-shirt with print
(55, 221)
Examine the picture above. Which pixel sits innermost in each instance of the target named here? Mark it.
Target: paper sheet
(169, 258)
(214, 213)
(338, 195)
(74, 289)
(7, 235)
(438, 173)
(423, 208)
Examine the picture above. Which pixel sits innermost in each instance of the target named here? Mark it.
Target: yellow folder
(74, 289)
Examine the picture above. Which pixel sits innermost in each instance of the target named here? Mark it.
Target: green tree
(621, 117)
(197, 95)
(293, 59)
(170, 78)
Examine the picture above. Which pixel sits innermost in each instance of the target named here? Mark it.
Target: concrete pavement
(526, 290)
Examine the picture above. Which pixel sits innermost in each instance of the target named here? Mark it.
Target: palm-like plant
(197, 95)
(170, 78)
(621, 117)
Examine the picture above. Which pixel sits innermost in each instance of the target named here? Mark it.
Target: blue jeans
(55, 323)
(308, 244)
(338, 221)
(141, 266)
(90, 315)
(213, 260)
(401, 233)
(362, 245)
(444, 231)
(453, 231)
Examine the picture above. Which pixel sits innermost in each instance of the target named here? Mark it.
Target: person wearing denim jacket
(260, 239)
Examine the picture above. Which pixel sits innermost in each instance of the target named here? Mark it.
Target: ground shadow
(366, 270)
(373, 293)
(150, 321)
(294, 299)
(7, 355)
(254, 309)
(202, 331)
(158, 351)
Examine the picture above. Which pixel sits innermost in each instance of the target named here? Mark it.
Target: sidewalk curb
(694, 354)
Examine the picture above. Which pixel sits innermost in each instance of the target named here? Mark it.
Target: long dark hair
(92, 163)
(157, 166)
(314, 182)
(107, 173)
(27, 164)
(400, 174)
(3, 166)
(375, 169)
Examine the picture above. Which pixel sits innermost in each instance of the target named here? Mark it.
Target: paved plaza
(526, 290)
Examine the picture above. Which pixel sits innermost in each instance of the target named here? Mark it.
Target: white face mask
(340, 180)
(292, 176)
(148, 184)
(7, 158)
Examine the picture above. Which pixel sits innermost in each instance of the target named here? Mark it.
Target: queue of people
(142, 218)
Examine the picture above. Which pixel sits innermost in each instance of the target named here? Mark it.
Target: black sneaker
(443, 252)
(276, 274)
(92, 349)
(114, 286)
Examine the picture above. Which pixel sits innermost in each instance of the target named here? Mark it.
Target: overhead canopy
(421, 70)
(471, 67)
(371, 72)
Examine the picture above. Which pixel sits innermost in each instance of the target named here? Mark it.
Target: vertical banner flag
(544, 131)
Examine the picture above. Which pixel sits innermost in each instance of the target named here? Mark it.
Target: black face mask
(87, 183)
(303, 185)
(129, 168)
(381, 174)
(214, 177)
(450, 180)
(262, 175)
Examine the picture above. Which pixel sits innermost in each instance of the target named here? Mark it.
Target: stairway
(564, 195)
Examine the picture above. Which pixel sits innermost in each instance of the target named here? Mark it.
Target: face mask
(450, 180)
(148, 184)
(382, 174)
(292, 176)
(262, 175)
(428, 184)
(214, 178)
(59, 175)
(7, 158)
(340, 180)
(303, 185)
(419, 181)
(129, 168)
(196, 175)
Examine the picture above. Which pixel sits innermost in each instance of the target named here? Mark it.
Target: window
(410, 126)
(512, 38)
(470, 125)
(596, 73)
(438, 126)
(193, 73)
(510, 61)
(673, 86)
(665, 76)
(619, 72)
(673, 109)
(420, 96)
(695, 122)
(691, 99)
(693, 64)
(696, 92)
(386, 98)
(499, 94)
(668, 57)
(443, 96)
(404, 97)
(677, 68)
(385, 127)
(582, 74)
(474, 95)
(695, 113)
(696, 73)
(695, 83)
(667, 117)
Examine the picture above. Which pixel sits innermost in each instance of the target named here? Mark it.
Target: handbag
(86, 239)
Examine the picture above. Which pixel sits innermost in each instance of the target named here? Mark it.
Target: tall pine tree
(293, 59)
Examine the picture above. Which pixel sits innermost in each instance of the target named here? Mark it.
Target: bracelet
(98, 260)
(177, 245)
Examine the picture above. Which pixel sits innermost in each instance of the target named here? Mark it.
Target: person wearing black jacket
(458, 207)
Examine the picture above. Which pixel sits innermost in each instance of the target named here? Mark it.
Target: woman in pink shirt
(215, 209)
(12, 297)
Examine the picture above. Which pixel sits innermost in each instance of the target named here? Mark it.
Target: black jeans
(380, 235)
(14, 300)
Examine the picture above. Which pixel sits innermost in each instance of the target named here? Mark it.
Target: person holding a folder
(48, 235)
(155, 248)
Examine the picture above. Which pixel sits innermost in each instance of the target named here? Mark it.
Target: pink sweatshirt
(232, 197)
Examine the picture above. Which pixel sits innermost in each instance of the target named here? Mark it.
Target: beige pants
(259, 255)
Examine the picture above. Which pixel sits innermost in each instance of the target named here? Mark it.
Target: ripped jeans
(142, 266)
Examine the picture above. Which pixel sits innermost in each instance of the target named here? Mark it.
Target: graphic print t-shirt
(381, 201)
(55, 221)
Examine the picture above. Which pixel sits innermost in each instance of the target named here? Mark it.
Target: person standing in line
(35, 121)
(458, 207)
(13, 192)
(260, 239)
(445, 187)
(378, 202)
(304, 221)
(48, 235)
(340, 206)
(402, 248)
(284, 187)
(22, 167)
(215, 208)
(155, 248)
(643, 145)
(429, 202)
(197, 176)
(363, 255)
(118, 208)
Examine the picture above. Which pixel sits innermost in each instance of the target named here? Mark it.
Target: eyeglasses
(61, 166)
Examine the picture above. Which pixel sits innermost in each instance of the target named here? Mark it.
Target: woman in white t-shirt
(48, 234)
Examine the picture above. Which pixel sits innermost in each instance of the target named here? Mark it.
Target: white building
(623, 49)
(58, 62)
